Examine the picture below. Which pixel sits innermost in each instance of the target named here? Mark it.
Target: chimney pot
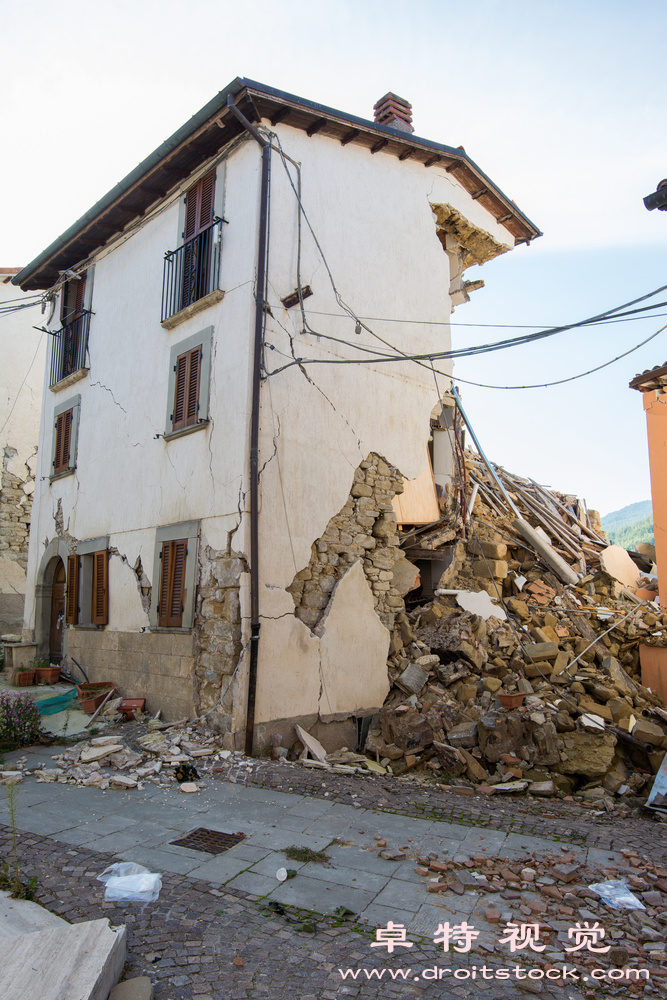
(394, 111)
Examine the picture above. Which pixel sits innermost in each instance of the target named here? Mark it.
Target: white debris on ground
(108, 762)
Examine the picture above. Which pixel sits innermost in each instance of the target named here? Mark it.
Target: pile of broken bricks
(554, 892)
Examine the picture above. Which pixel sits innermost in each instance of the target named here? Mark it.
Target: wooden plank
(418, 504)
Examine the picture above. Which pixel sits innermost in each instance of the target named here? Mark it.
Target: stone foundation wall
(218, 644)
(157, 666)
(365, 529)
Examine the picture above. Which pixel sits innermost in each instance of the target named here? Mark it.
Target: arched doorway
(57, 613)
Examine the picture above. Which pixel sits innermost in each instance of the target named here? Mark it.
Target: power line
(571, 378)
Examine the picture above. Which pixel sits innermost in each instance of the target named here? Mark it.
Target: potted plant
(24, 676)
(46, 673)
(91, 696)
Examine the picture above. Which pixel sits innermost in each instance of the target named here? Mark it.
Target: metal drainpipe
(254, 422)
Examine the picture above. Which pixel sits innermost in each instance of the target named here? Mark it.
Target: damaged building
(228, 442)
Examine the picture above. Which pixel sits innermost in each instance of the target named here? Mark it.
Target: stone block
(649, 732)
(539, 651)
(463, 735)
(496, 569)
(139, 988)
(413, 678)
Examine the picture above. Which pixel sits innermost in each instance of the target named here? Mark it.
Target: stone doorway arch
(50, 597)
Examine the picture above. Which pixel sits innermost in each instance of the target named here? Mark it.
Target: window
(175, 567)
(172, 582)
(70, 343)
(196, 239)
(65, 436)
(191, 271)
(88, 583)
(189, 371)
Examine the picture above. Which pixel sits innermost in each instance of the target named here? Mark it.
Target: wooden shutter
(172, 583)
(100, 607)
(206, 196)
(63, 442)
(72, 299)
(186, 391)
(72, 608)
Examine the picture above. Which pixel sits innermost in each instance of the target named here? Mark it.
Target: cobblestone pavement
(204, 939)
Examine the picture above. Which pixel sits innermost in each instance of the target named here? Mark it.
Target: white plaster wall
(372, 217)
(128, 482)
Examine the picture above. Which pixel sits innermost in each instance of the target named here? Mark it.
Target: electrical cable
(571, 378)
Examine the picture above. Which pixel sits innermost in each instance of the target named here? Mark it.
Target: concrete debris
(580, 719)
(107, 762)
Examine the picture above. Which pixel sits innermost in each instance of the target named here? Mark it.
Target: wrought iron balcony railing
(191, 271)
(70, 345)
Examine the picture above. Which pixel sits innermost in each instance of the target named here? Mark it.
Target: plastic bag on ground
(618, 895)
(127, 882)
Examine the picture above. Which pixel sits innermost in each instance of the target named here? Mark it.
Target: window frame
(60, 412)
(87, 602)
(201, 340)
(188, 532)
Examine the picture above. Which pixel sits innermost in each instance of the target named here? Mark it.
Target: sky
(561, 103)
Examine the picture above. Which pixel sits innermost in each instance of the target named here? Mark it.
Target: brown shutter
(72, 609)
(58, 451)
(180, 392)
(186, 390)
(72, 299)
(62, 449)
(206, 196)
(172, 583)
(179, 556)
(194, 370)
(164, 583)
(100, 608)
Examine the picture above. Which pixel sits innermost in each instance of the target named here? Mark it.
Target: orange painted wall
(656, 424)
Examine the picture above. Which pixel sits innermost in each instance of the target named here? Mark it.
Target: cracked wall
(365, 530)
(218, 641)
(17, 484)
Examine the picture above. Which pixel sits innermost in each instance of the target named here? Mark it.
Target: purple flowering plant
(19, 718)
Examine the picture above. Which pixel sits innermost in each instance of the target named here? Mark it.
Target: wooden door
(57, 614)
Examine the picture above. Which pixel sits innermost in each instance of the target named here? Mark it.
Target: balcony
(191, 275)
(70, 347)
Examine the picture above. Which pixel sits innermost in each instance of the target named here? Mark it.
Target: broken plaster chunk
(479, 604)
(311, 744)
(89, 754)
(616, 562)
(188, 787)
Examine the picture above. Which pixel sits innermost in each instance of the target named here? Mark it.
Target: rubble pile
(108, 762)
(511, 678)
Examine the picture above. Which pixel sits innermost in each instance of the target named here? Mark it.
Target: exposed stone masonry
(365, 529)
(218, 643)
(15, 507)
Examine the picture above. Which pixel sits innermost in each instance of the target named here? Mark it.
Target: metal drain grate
(210, 841)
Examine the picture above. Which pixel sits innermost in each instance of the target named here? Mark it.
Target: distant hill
(630, 525)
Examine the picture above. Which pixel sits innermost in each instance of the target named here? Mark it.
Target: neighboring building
(653, 386)
(23, 353)
(213, 457)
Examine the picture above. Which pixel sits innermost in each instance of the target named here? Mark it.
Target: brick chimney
(394, 111)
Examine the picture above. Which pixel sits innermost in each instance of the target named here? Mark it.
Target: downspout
(254, 421)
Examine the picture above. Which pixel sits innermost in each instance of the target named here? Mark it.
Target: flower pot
(511, 699)
(129, 706)
(91, 696)
(24, 678)
(47, 675)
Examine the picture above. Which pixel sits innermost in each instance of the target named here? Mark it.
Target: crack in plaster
(107, 389)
